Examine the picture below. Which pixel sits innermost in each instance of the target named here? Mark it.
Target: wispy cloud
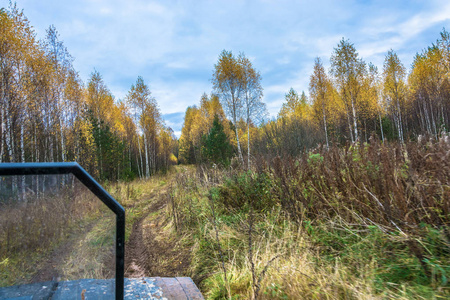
(175, 44)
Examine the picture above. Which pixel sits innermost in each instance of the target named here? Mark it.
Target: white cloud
(274, 94)
(178, 65)
(174, 98)
(174, 45)
(387, 32)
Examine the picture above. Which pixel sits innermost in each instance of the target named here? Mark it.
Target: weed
(359, 222)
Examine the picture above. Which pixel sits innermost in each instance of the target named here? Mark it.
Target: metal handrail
(9, 169)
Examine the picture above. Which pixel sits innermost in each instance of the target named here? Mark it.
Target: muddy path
(54, 266)
(153, 249)
(136, 251)
(50, 270)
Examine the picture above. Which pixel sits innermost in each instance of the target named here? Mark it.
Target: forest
(48, 114)
(345, 194)
(352, 103)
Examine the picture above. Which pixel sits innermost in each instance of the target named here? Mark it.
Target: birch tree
(376, 92)
(254, 108)
(318, 88)
(394, 89)
(348, 71)
(61, 63)
(146, 116)
(228, 85)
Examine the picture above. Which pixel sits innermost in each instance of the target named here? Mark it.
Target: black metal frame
(7, 169)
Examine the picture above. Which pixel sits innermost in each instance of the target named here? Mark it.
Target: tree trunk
(248, 144)
(399, 120)
(422, 118)
(349, 122)
(325, 125)
(381, 127)
(8, 138)
(234, 114)
(239, 146)
(2, 135)
(22, 150)
(427, 117)
(355, 120)
(147, 166)
(63, 149)
(140, 165)
(433, 120)
(36, 159)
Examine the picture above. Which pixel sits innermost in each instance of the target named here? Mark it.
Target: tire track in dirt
(167, 256)
(150, 250)
(136, 251)
(53, 263)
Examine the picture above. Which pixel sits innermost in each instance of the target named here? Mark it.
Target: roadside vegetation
(360, 222)
(64, 233)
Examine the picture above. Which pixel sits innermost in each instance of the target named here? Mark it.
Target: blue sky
(174, 45)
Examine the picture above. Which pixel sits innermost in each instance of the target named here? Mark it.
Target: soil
(150, 251)
(48, 269)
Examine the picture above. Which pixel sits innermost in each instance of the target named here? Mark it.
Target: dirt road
(153, 249)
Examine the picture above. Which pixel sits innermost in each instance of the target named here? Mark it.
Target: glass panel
(52, 228)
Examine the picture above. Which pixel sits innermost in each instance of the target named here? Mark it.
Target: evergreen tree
(216, 147)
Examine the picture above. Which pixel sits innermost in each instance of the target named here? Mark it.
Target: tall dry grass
(365, 221)
(392, 185)
(31, 230)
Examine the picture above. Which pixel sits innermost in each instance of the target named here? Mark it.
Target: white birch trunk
(2, 135)
(400, 125)
(234, 114)
(36, 159)
(350, 127)
(147, 166)
(100, 159)
(140, 165)
(381, 127)
(22, 150)
(63, 149)
(427, 118)
(248, 144)
(325, 125)
(433, 120)
(422, 119)
(354, 120)
(239, 146)
(52, 159)
(8, 133)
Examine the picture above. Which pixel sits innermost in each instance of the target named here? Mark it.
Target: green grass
(52, 223)
(311, 256)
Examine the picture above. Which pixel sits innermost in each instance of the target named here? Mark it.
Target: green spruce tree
(216, 147)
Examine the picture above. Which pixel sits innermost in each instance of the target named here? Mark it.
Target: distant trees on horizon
(350, 103)
(47, 114)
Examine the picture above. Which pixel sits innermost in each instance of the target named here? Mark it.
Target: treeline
(206, 133)
(351, 102)
(354, 100)
(237, 94)
(47, 114)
